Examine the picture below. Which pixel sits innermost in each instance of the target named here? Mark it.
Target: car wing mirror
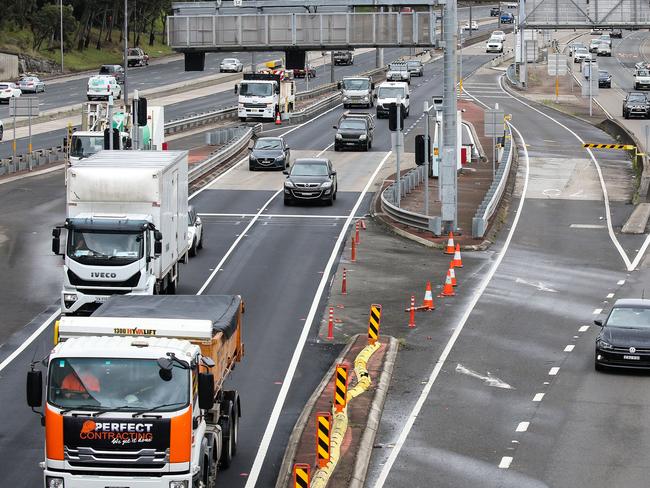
(599, 323)
(334, 173)
(285, 172)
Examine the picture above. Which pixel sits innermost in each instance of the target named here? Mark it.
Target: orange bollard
(330, 325)
(363, 224)
(344, 283)
(353, 257)
(356, 232)
(412, 317)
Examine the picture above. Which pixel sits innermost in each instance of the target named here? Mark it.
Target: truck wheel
(172, 286)
(233, 397)
(227, 429)
(200, 244)
(193, 250)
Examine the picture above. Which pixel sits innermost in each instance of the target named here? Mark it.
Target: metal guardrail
(490, 202)
(409, 182)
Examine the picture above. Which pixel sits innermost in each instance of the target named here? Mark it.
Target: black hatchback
(624, 341)
(310, 179)
(269, 153)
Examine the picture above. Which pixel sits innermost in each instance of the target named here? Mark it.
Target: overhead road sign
(581, 14)
(622, 147)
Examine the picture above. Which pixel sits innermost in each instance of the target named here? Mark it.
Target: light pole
(126, 47)
(61, 36)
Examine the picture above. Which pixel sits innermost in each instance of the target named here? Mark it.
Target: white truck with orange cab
(135, 396)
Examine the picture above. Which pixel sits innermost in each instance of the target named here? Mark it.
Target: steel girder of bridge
(304, 31)
(578, 14)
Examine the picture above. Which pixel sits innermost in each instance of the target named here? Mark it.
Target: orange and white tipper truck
(135, 395)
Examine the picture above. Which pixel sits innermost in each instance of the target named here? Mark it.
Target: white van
(387, 93)
(101, 87)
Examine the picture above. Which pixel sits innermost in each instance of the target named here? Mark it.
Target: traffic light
(140, 115)
(116, 138)
(392, 117)
(420, 149)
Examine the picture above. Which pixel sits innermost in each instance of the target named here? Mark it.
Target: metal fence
(490, 202)
(409, 182)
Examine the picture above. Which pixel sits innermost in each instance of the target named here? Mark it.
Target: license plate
(102, 300)
(307, 193)
(632, 358)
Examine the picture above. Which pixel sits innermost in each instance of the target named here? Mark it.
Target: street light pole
(61, 36)
(126, 47)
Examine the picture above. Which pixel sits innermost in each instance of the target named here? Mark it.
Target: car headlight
(326, 184)
(69, 297)
(178, 484)
(363, 137)
(345, 99)
(280, 158)
(54, 482)
(604, 345)
(365, 99)
(289, 184)
(339, 136)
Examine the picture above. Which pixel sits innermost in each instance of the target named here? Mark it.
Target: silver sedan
(231, 64)
(31, 84)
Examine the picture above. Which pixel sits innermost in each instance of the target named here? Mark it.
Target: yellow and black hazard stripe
(340, 387)
(620, 147)
(323, 430)
(301, 475)
(373, 323)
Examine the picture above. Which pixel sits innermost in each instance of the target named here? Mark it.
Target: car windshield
(498, 33)
(29, 79)
(397, 66)
(636, 97)
(352, 124)
(105, 248)
(629, 317)
(256, 89)
(356, 85)
(84, 146)
(414, 64)
(495, 40)
(603, 74)
(105, 383)
(105, 70)
(309, 169)
(134, 52)
(268, 144)
(390, 92)
(581, 50)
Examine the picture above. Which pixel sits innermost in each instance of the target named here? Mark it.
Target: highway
(277, 260)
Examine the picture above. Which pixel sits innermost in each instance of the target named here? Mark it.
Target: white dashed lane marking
(620, 282)
(598, 311)
(522, 427)
(583, 328)
(538, 397)
(611, 295)
(505, 462)
(553, 371)
(569, 348)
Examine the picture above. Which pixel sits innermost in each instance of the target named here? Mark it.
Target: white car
(593, 45)
(398, 71)
(231, 64)
(473, 26)
(498, 35)
(194, 231)
(641, 79)
(580, 54)
(8, 90)
(494, 45)
(604, 49)
(102, 86)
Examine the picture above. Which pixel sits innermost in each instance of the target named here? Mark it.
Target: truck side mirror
(236, 89)
(372, 85)
(206, 391)
(34, 388)
(56, 241)
(157, 245)
(338, 85)
(374, 95)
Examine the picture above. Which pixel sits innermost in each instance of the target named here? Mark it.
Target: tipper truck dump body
(135, 397)
(126, 226)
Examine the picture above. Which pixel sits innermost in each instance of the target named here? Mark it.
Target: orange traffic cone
(428, 304)
(448, 289)
(277, 119)
(451, 248)
(452, 274)
(458, 262)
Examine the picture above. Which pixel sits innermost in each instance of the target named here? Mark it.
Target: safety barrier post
(412, 312)
(330, 325)
(323, 438)
(340, 387)
(374, 322)
(344, 283)
(353, 255)
(301, 475)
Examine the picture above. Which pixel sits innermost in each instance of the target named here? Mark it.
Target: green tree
(46, 24)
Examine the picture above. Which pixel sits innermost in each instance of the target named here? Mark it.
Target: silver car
(231, 64)
(31, 84)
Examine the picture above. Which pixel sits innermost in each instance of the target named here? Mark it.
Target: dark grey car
(269, 153)
(415, 67)
(114, 70)
(310, 180)
(355, 130)
(636, 104)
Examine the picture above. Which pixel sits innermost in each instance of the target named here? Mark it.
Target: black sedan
(269, 153)
(495, 12)
(310, 180)
(624, 341)
(604, 79)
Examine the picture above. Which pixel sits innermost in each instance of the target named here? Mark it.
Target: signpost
(24, 107)
(557, 66)
(493, 128)
(590, 86)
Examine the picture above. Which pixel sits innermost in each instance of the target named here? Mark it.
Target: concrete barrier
(8, 66)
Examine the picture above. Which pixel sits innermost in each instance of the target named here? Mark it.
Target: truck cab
(264, 95)
(356, 91)
(134, 395)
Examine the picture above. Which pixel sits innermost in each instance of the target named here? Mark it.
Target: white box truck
(263, 95)
(126, 226)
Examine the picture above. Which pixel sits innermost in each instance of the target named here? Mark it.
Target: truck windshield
(105, 248)
(105, 383)
(256, 89)
(356, 85)
(390, 92)
(84, 146)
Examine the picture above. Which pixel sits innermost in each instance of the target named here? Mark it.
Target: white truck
(135, 394)
(126, 227)
(398, 71)
(264, 95)
(356, 91)
(94, 119)
(641, 79)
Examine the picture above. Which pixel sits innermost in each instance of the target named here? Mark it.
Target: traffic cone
(452, 274)
(448, 289)
(412, 312)
(458, 262)
(277, 119)
(451, 248)
(428, 304)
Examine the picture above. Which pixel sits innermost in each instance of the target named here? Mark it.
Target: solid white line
(522, 427)
(610, 295)
(408, 425)
(30, 339)
(295, 359)
(234, 244)
(597, 311)
(583, 328)
(569, 348)
(553, 371)
(277, 216)
(620, 282)
(505, 462)
(538, 397)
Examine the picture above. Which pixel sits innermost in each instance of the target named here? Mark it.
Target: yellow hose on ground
(340, 420)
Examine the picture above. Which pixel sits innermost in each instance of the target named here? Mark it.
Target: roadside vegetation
(92, 30)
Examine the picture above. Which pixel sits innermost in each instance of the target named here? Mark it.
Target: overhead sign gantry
(578, 14)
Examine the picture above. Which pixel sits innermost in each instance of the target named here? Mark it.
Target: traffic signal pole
(447, 176)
